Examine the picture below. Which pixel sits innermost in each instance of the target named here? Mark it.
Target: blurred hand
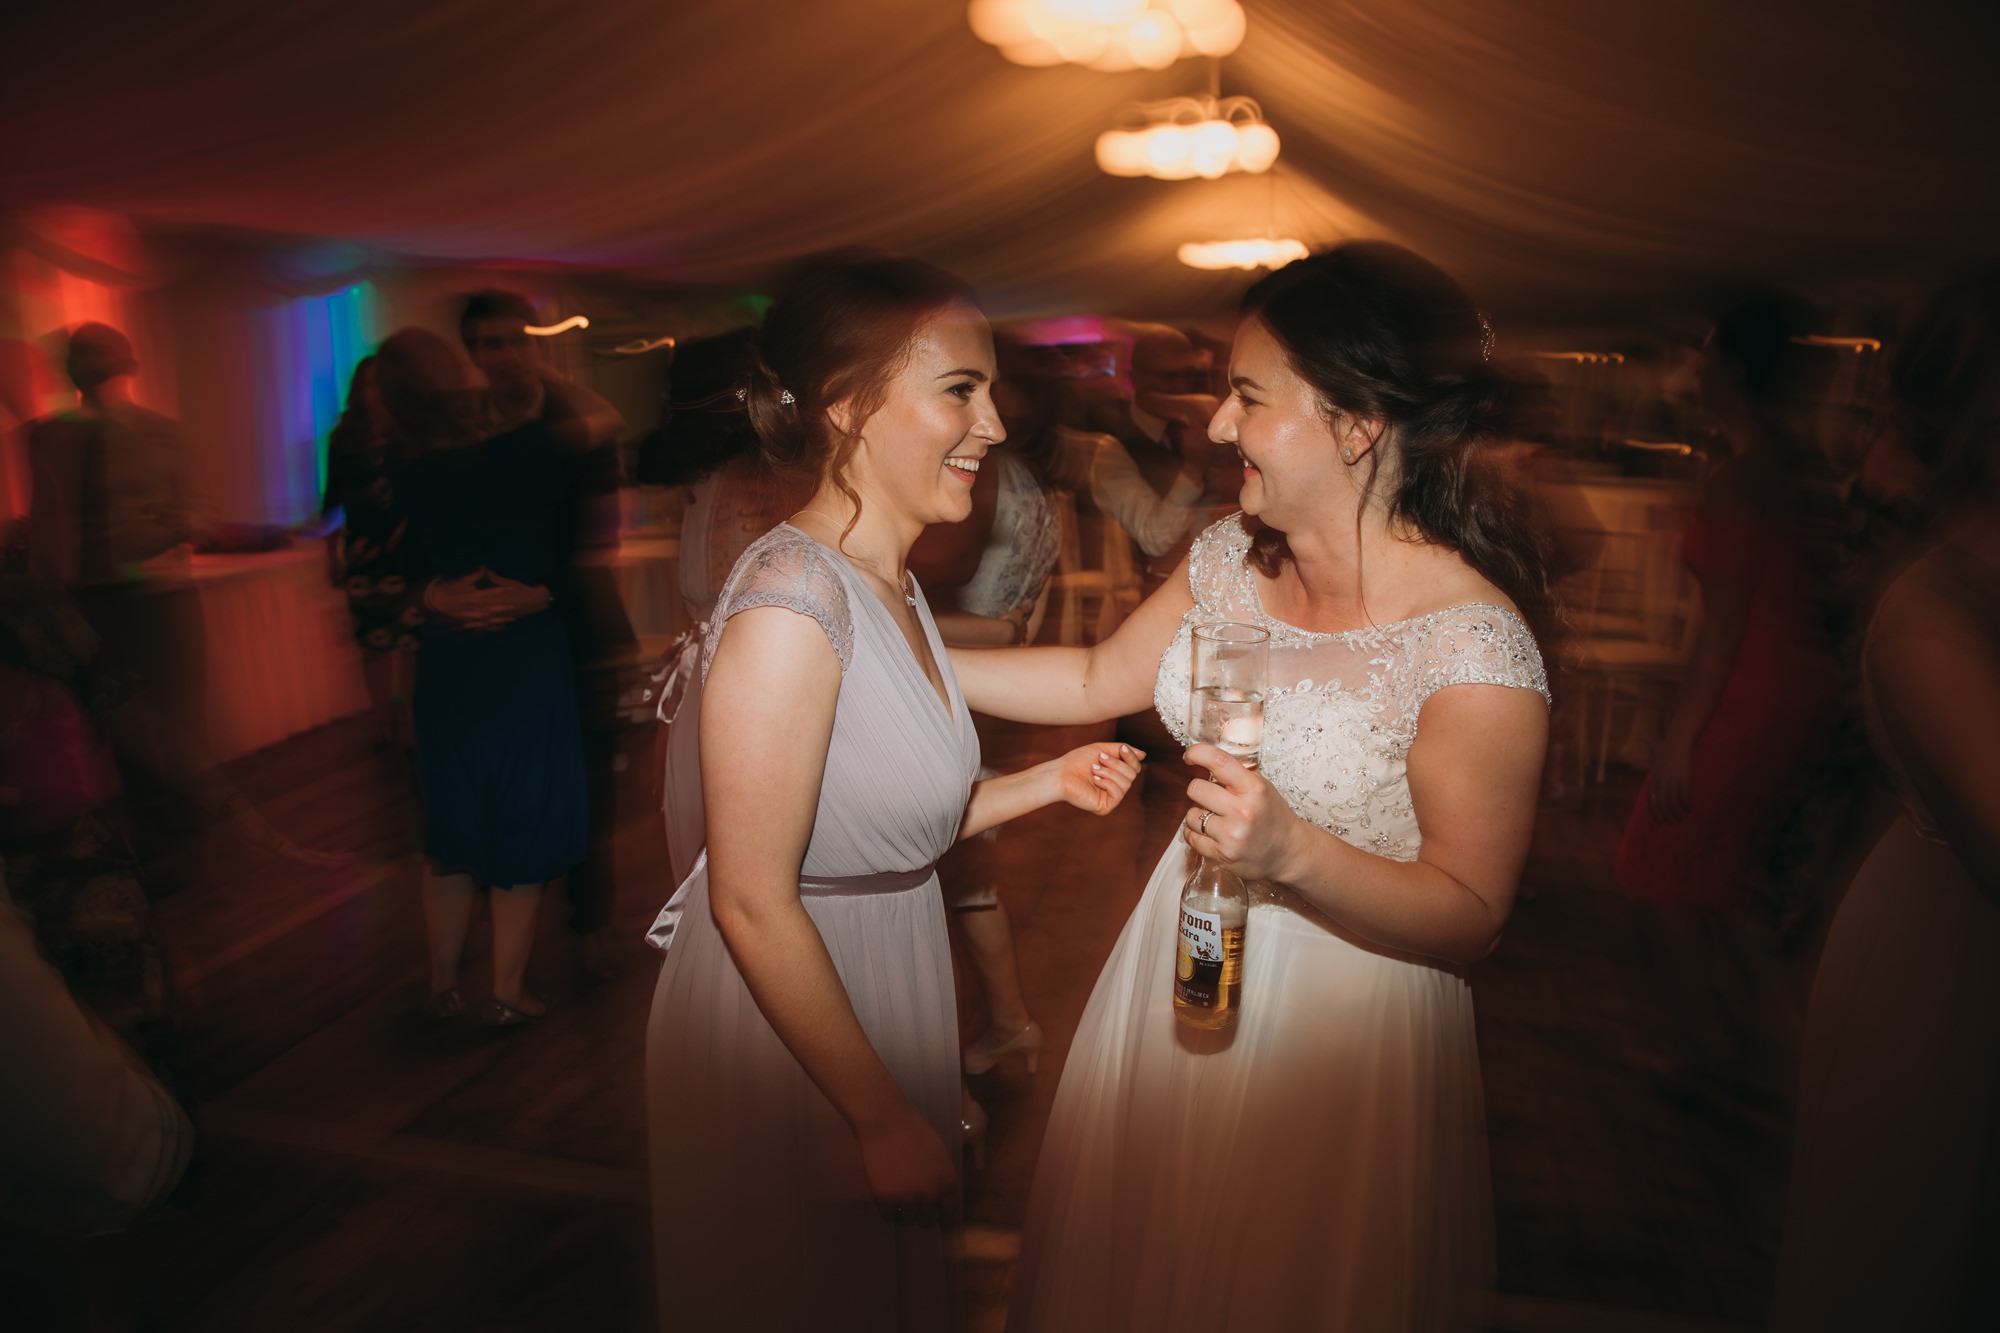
(1251, 829)
(1094, 778)
(485, 600)
(909, 1169)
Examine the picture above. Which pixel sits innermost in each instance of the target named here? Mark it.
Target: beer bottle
(1208, 965)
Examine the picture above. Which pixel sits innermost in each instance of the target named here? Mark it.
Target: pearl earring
(1347, 455)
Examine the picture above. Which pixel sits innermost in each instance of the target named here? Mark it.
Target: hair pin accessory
(1485, 336)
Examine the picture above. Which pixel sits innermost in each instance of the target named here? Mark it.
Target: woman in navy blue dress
(499, 742)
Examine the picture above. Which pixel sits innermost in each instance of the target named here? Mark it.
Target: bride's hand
(1095, 777)
(1249, 827)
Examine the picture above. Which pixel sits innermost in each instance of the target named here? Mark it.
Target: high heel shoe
(983, 1054)
(443, 1004)
(497, 1013)
(972, 1126)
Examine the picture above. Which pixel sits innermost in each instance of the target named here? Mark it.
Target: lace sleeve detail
(786, 568)
(1475, 645)
(1218, 570)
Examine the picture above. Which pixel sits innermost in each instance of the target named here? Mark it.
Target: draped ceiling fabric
(1552, 153)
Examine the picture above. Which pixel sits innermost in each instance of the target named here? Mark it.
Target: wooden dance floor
(365, 1168)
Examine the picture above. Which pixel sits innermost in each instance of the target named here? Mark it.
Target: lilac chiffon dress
(762, 1215)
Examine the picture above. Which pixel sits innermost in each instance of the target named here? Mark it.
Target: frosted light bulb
(1220, 37)
(1167, 148)
(1256, 147)
(1214, 139)
(1114, 11)
(1201, 13)
(1121, 153)
(1080, 43)
(1035, 54)
(1000, 23)
(1155, 40)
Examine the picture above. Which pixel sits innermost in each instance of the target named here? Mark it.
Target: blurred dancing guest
(708, 444)
(499, 749)
(556, 415)
(1762, 690)
(1010, 544)
(802, 1058)
(1894, 1214)
(1324, 1166)
(114, 517)
(368, 557)
(1149, 469)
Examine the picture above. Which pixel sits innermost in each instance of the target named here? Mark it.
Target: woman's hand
(1094, 778)
(908, 1166)
(1670, 786)
(1249, 828)
(485, 600)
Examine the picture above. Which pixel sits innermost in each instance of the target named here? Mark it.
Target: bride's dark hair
(1380, 332)
(841, 331)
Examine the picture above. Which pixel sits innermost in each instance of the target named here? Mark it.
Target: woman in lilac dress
(802, 1059)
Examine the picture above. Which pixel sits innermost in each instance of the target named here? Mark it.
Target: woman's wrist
(1048, 785)
(1296, 848)
(881, 1117)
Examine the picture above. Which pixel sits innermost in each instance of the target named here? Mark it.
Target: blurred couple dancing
(1323, 1168)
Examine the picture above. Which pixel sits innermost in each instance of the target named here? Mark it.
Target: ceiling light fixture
(1109, 35)
(1247, 254)
(1185, 137)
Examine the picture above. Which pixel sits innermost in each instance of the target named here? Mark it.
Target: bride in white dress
(1323, 1165)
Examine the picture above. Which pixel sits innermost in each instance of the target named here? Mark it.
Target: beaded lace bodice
(1343, 708)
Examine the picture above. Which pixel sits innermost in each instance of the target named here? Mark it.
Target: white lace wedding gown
(1323, 1167)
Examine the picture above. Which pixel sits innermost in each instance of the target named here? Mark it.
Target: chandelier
(1191, 136)
(1108, 34)
(1241, 254)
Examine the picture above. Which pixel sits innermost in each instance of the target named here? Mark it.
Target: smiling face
(921, 449)
(1292, 469)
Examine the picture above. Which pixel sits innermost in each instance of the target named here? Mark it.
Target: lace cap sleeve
(786, 568)
(1475, 645)
(1218, 572)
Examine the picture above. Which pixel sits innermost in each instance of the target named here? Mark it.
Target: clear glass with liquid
(1232, 719)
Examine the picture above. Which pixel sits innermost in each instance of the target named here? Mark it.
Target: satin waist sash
(860, 886)
(661, 936)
